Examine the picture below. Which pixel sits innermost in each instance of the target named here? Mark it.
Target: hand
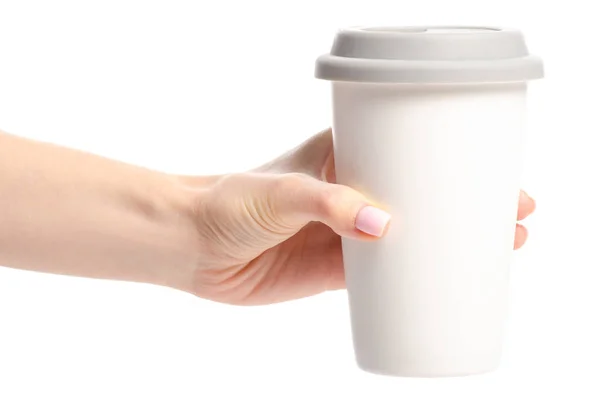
(273, 234)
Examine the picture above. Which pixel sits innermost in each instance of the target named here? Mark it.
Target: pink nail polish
(372, 220)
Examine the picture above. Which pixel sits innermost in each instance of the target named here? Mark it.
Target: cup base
(425, 373)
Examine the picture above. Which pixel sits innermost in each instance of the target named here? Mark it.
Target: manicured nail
(530, 198)
(372, 221)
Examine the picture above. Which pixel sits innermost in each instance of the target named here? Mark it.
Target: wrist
(169, 209)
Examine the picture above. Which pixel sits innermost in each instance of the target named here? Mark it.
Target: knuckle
(329, 201)
(289, 182)
(295, 179)
(229, 180)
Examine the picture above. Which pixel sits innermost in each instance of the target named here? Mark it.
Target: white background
(214, 86)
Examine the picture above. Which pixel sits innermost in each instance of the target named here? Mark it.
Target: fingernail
(526, 195)
(372, 221)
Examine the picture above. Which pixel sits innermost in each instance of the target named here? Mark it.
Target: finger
(328, 172)
(315, 156)
(299, 199)
(526, 205)
(308, 157)
(520, 236)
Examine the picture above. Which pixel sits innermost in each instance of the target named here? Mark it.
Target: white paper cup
(428, 123)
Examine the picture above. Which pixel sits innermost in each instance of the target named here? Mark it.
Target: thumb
(297, 199)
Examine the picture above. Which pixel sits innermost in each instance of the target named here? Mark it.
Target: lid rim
(411, 55)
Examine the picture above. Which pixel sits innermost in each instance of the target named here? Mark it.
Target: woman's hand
(273, 234)
(269, 235)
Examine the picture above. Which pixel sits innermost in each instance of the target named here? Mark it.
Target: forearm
(67, 212)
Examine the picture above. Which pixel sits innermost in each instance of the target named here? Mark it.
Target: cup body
(430, 298)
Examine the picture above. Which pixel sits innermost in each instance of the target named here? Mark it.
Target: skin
(264, 236)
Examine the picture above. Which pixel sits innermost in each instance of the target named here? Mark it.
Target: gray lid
(429, 54)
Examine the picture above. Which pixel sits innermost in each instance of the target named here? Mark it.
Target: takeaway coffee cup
(428, 123)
